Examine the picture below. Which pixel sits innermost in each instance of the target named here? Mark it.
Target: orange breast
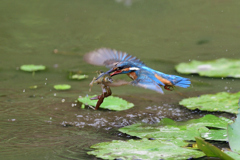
(164, 81)
(132, 75)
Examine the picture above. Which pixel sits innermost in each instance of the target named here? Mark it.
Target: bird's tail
(181, 82)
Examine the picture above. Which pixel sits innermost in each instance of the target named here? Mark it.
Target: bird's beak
(108, 72)
(115, 71)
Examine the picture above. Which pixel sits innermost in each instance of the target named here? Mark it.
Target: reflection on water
(126, 2)
(43, 123)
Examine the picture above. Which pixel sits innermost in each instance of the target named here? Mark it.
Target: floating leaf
(169, 129)
(112, 103)
(78, 76)
(223, 101)
(209, 120)
(234, 134)
(210, 150)
(216, 68)
(143, 149)
(32, 68)
(62, 87)
(216, 135)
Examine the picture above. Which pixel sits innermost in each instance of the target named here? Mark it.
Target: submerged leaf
(216, 68)
(62, 87)
(210, 150)
(143, 149)
(32, 67)
(234, 134)
(223, 101)
(169, 129)
(78, 76)
(33, 87)
(112, 103)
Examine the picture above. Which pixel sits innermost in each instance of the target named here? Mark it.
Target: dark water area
(44, 123)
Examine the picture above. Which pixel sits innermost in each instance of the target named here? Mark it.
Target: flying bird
(141, 75)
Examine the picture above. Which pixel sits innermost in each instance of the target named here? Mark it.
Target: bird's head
(121, 68)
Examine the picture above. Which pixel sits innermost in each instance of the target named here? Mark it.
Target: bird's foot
(169, 88)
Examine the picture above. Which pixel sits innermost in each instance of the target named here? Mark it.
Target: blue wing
(147, 84)
(109, 57)
(146, 81)
(147, 78)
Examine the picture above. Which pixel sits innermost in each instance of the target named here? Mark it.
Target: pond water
(44, 123)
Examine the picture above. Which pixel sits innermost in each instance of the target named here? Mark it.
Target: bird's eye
(119, 68)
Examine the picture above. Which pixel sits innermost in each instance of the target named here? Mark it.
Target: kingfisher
(141, 75)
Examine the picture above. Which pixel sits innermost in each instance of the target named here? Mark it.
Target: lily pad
(143, 149)
(223, 101)
(112, 103)
(62, 87)
(32, 68)
(210, 150)
(216, 135)
(234, 134)
(169, 129)
(78, 76)
(216, 68)
(209, 120)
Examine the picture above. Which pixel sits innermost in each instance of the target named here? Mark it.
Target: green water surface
(43, 123)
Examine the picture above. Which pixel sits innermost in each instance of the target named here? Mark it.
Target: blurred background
(44, 123)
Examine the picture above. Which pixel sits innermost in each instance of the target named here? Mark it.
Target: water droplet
(55, 66)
